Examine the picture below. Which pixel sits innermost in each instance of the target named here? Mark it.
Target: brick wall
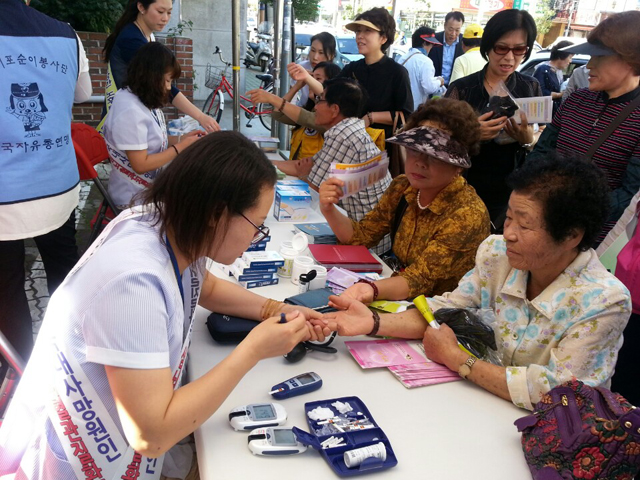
(93, 44)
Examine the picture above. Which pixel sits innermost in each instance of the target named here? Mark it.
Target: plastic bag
(473, 330)
(182, 125)
(502, 104)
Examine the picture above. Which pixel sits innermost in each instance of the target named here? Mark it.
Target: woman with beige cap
(385, 81)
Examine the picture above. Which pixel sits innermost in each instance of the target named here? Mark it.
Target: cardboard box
(292, 204)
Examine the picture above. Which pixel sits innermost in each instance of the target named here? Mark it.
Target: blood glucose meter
(298, 385)
(256, 415)
(274, 441)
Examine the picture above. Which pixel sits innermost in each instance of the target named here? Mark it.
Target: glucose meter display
(283, 437)
(263, 412)
(304, 379)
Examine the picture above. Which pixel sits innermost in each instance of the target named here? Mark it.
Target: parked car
(537, 58)
(400, 47)
(303, 42)
(346, 51)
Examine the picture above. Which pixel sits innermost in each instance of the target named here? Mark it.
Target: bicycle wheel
(213, 106)
(264, 110)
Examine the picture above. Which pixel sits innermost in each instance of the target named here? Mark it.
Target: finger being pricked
(317, 333)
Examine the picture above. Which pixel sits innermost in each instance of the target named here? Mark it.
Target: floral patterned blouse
(572, 329)
(438, 244)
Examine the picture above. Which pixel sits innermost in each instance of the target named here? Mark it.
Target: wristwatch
(465, 369)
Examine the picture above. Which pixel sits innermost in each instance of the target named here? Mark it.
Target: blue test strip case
(356, 439)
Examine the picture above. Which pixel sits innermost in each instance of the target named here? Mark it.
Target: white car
(537, 58)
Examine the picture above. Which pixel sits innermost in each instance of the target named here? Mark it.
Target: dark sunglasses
(261, 233)
(518, 51)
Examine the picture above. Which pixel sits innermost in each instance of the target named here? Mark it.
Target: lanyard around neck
(176, 270)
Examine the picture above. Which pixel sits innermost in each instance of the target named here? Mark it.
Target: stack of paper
(358, 176)
(405, 359)
(339, 279)
(318, 233)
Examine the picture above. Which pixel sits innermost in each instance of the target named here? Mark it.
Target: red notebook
(356, 258)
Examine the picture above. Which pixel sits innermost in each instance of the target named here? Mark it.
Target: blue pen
(283, 318)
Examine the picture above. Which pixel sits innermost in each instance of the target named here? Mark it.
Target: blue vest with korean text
(38, 75)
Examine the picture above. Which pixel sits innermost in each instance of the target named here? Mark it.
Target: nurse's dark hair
(222, 172)
(128, 16)
(572, 192)
(505, 22)
(146, 71)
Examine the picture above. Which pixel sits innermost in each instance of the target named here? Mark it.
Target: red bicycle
(216, 79)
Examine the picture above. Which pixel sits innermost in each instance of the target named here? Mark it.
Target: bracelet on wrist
(373, 286)
(282, 105)
(376, 323)
(176, 149)
(370, 117)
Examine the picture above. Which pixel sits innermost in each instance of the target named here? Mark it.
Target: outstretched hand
(354, 318)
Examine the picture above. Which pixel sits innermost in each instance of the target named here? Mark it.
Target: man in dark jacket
(444, 56)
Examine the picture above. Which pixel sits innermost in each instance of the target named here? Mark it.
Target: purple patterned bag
(580, 432)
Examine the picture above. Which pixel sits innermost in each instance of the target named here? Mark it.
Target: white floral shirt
(572, 329)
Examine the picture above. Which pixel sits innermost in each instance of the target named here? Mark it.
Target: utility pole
(235, 47)
(278, 13)
(285, 59)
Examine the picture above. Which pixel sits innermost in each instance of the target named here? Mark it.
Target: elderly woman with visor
(435, 218)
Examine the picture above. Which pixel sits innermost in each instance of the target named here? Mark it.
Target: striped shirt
(583, 118)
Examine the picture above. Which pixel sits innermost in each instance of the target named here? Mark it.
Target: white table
(450, 431)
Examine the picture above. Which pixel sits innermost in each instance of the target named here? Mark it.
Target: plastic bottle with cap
(353, 458)
(301, 264)
(289, 254)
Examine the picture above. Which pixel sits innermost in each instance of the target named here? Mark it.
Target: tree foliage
(544, 20)
(304, 10)
(83, 15)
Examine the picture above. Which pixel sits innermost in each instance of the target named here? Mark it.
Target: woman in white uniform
(103, 389)
(135, 129)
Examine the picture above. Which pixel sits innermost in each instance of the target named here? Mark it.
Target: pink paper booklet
(386, 353)
(404, 358)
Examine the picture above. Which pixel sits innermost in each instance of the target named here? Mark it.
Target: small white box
(267, 258)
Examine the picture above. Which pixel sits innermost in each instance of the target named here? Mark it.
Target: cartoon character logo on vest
(28, 106)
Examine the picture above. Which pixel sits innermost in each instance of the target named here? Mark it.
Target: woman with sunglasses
(107, 369)
(506, 42)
